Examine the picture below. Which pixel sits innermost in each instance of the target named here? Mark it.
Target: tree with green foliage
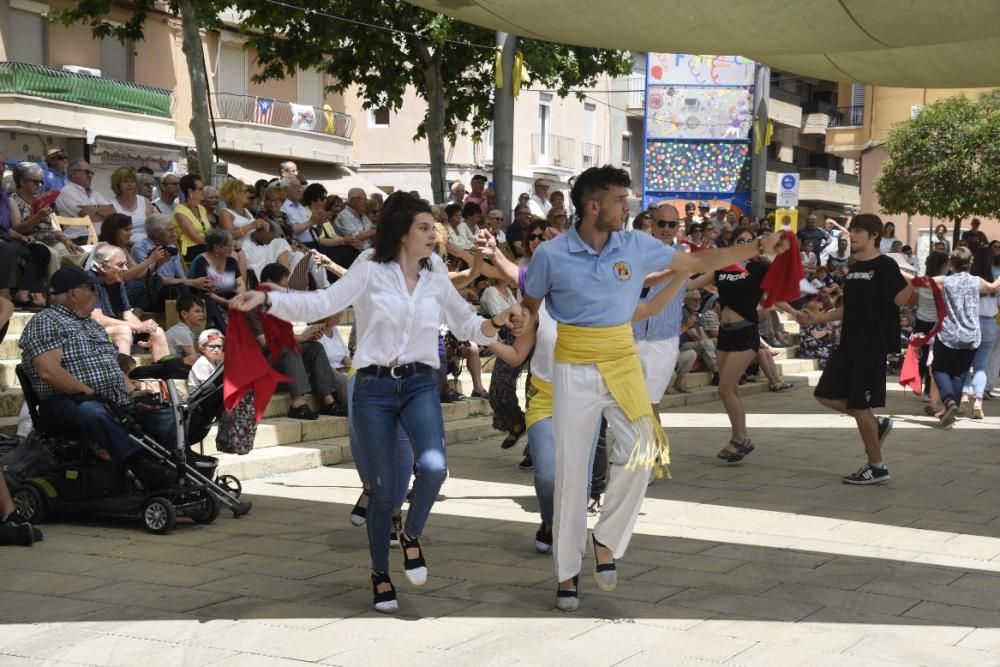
(382, 47)
(448, 63)
(945, 162)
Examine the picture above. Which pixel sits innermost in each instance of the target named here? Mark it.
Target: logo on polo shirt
(622, 270)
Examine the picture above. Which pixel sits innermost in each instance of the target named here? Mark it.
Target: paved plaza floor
(773, 562)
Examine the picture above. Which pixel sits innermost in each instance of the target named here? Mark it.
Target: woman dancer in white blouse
(399, 304)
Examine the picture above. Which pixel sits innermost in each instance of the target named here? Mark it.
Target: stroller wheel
(210, 512)
(231, 485)
(30, 503)
(159, 515)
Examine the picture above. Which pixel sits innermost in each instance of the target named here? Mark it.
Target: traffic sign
(788, 191)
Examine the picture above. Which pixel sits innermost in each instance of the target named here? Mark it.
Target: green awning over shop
(909, 43)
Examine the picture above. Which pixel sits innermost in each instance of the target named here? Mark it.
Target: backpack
(237, 428)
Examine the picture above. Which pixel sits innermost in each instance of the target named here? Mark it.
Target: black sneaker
(884, 428)
(36, 533)
(543, 539)
(526, 463)
(302, 412)
(16, 534)
(333, 410)
(866, 474)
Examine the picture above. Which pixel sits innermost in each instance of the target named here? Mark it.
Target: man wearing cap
(479, 195)
(975, 237)
(54, 174)
(73, 368)
(78, 199)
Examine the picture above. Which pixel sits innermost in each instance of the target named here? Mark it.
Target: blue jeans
(404, 452)
(378, 404)
(542, 445)
(988, 327)
(93, 419)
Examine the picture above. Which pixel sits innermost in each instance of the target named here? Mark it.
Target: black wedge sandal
(385, 602)
(359, 515)
(416, 567)
(605, 574)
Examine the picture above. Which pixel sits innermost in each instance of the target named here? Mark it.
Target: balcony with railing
(852, 116)
(636, 90)
(553, 150)
(591, 155)
(255, 124)
(84, 90)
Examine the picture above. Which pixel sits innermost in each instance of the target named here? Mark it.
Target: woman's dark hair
(539, 225)
(188, 183)
(742, 229)
(274, 273)
(471, 209)
(935, 264)
(260, 186)
(449, 210)
(113, 224)
(314, 193)
(982, 263)
(885, 229)
(398, 212)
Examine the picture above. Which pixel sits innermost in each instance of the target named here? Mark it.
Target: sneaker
(884, 428)
(543, 539)
(949, 414)
(16, 534)
(963, 405)
(526, 463)
(36, 533)
(482, 395)
(977, 408)
(866, 474)
(303, 412)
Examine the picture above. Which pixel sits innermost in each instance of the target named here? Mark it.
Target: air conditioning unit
(80, 69)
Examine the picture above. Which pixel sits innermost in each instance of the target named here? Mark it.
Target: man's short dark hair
(868, 222)
(187, 301)
(597, 180)
(274, 273)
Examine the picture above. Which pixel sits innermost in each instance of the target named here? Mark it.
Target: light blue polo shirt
(588, 289)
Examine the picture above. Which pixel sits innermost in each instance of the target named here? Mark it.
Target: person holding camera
(160, 234)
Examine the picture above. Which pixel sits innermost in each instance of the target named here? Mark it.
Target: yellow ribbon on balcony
(518, 72)
(328, 126)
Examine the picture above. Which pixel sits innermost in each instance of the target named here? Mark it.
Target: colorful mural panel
(698, 112)
(690, 70)
(697, 166)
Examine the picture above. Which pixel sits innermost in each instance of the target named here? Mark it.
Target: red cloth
(252, 370)
(909, 374)
(781, 282)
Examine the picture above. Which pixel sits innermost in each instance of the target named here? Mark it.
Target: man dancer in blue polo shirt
(591, 278)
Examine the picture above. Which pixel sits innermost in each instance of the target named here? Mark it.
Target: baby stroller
(59, 469)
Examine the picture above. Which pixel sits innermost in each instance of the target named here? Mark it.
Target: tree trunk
(956, 232)
(434, 124)
(200, 127)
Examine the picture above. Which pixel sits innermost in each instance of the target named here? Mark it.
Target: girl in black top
(739, 339)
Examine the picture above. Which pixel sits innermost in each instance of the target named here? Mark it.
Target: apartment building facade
(130, 104)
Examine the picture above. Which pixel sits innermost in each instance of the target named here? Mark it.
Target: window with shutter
(589, 111)
(232, 69)
(115, 59)
(310, 84)
(26, 37)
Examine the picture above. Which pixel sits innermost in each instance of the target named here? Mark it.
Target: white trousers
(658, 359)
(580, 398)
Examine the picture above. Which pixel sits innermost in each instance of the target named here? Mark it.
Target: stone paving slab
(771, 562)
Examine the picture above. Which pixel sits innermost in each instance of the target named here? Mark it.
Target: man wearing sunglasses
(591, 278)
(79, 199)
(54, 174)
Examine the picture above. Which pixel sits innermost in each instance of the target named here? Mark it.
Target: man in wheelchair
(72, 367)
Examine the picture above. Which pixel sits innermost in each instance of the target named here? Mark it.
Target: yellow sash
(539, 401)
(613, 351)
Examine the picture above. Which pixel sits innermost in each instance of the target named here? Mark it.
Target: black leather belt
(396, 372)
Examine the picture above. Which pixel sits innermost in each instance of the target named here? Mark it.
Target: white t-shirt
(258, 256)
(201, 370)
(73, 196)
(493, 301)
(138, 215)
(335, 348)
(539, 207)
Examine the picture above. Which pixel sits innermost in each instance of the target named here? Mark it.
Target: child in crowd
(337, 353)
(212, 345)
(181, 336)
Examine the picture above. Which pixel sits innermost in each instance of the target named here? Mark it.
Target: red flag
(781, 282)
(246, 368)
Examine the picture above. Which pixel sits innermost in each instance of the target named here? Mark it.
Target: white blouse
(543, 357)
(393, 326)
